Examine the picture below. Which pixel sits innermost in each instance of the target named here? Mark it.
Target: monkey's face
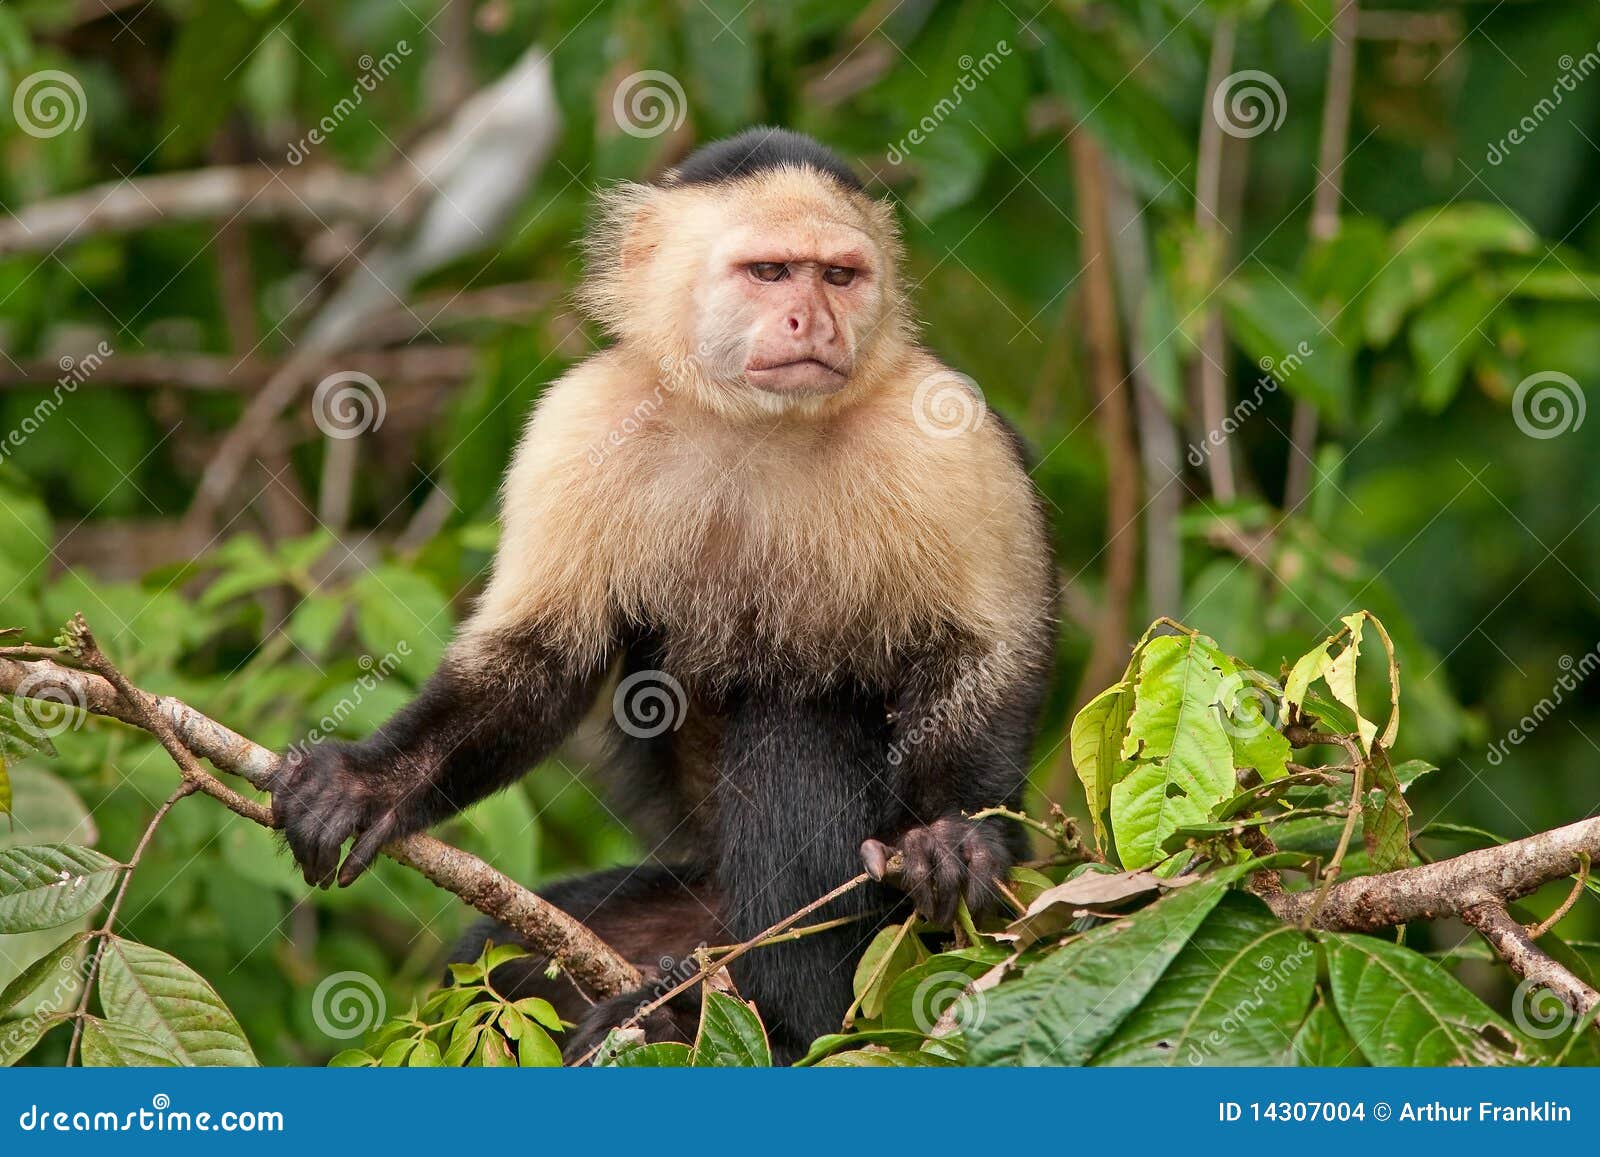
(786, 304)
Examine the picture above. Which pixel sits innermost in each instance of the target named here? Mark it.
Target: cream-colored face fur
(784, 539)
(733, 289)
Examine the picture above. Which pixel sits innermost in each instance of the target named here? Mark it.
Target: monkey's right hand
(325, 794)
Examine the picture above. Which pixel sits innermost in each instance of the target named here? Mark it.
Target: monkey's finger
(947, 877)
(366, 850)
(875, 858)
(327, 836)
(981, 893)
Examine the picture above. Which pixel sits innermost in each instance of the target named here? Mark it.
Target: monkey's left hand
(949, 860)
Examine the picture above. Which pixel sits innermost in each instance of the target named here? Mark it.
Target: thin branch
(734, 953)
(1578, 885)
(1109, 650)
(109, 925)
(1511, 943)
(588, 960)
(1211, 369)
(241, 192)
(1331, 151)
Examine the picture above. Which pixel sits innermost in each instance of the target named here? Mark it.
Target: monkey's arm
(491, 711)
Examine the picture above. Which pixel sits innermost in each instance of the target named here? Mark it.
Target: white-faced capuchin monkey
(746, 507)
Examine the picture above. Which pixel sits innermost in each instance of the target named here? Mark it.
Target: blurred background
(1298, 302)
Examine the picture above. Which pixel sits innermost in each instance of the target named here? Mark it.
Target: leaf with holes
(1226, 998)
(731, 1035)
(170, 1002)
(46, 885)
(1403, 1009)
(1182, 759)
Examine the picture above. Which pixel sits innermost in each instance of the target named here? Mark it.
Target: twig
(1555, 917)
(1511, 943)
(1325, 216)
(734, 953)
(1211, 370)
(588, 960)
(110, 923)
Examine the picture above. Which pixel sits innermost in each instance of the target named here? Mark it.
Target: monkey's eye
(838, 275)
(769, 270)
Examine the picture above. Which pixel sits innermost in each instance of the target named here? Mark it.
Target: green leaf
(1097, 733)
(1283, 334)
(893, 950)
(1182, 759)
(923, 994)
(893, 1038)
(352, 1059)
(17, 1037)
(45, 885)
(1070, 1003)
(109, 1045)
(5, 786)
(166, 999)
(402, 614)
(730, 1035)
(62, 965)
(1226, 998)
(1445, 337)
(880, 1057)
(1430, 251)
(535, 1049)
(1322, 1041)
(424, 1056)
(664, 1055)
(1385, 816)
(1404, 1010)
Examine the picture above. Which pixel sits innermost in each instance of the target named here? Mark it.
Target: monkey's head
(759, 275)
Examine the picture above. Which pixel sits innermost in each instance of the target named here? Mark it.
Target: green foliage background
(1451, 280)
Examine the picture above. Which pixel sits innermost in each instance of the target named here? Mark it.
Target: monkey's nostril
(794, 323)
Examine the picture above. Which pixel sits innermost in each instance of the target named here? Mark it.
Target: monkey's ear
(621, 246)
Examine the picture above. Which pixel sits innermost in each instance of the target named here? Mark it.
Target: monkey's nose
(795, 324)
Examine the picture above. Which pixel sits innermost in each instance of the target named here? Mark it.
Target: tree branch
(1511, 942)
(247, 192)
(1450, 887)
(593, 964)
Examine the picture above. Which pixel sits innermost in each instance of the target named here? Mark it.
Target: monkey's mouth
(801, 376)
